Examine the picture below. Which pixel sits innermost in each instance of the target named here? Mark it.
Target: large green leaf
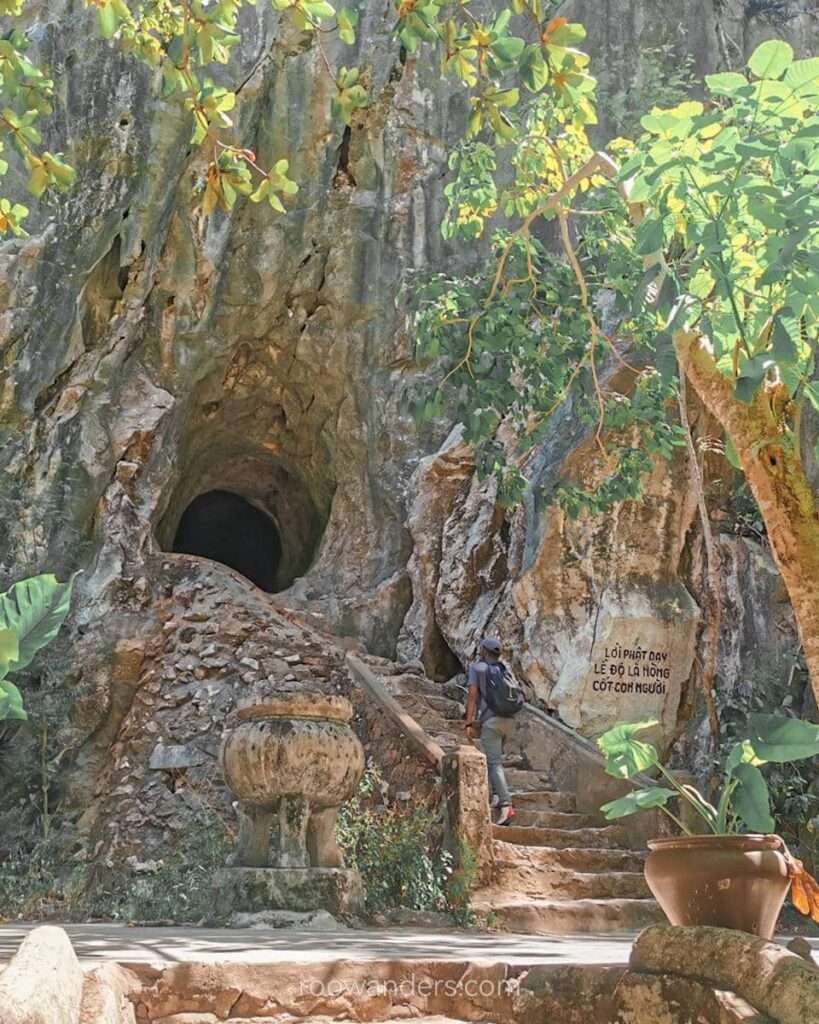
(9, 650)
(11, 702)
(741, 753)
(803, 72)
(771, 59)
(625, 755)
(34, 609)
(533, 69)
(726, 83)
(639, 800)
(751, 801)
(779, 739)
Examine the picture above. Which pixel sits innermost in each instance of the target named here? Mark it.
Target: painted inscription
(633, 670)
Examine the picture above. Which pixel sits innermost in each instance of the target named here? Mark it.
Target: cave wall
(150, 356)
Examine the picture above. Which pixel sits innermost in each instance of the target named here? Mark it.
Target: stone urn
(291, 760)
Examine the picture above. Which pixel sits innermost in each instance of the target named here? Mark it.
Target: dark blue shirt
(478, 672)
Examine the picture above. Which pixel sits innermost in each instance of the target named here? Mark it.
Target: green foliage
(11, 702)
(34, 610)
(396, 849)
(461, 885)
(26, 95)
(29, 883)
(518, 358)
(744, 800)
(626, 756)
(186, 40)
(31, 614)
(719, 236)
(180, 886)
(783, 740)
(734, 208)
(638, 800)
(350, 94)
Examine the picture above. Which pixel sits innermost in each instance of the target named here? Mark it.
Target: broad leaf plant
(31, 614)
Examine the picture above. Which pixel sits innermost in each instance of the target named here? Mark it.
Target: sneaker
(495, 801)
(506, 815)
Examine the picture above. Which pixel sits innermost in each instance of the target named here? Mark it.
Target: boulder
(44, 981)
(667, 999)
(772, 979)
(107, 996)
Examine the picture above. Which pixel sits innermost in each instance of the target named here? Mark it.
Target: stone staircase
(556, 870)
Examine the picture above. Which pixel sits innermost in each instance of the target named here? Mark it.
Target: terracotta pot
(735, 882)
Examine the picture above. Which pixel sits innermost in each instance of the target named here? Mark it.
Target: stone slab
(253, 890)
(634, 661)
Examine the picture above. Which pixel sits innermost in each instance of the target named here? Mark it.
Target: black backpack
(504, 694)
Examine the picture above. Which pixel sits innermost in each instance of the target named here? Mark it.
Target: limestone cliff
(150, 357)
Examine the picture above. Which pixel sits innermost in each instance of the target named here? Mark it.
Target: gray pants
(493, 733)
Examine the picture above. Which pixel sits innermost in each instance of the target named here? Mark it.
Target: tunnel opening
(227, 528)
(245, 510)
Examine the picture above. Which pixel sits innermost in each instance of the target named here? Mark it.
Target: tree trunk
(777, 480)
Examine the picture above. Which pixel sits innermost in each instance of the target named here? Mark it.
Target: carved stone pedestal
(291, 761)
(251, 890)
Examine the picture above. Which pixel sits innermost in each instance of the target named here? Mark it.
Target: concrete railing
(375, 688)
(463, 774)
(575, 765)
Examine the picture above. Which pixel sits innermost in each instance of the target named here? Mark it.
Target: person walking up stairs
(494, 698)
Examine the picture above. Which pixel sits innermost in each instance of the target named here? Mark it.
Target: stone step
(547, 801)
(573, 857)
(568, 917)
(544, 800)
(431, 721)
(553, 819)
(411, 685)
(608, 836)
(521, 780)
(525, 879)
(450, 709)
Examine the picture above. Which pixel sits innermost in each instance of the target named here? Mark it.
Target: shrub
(397, 849)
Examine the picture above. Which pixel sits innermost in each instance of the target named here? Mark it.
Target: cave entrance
(227, 528)
(246, 510)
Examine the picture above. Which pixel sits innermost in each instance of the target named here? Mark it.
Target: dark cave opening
(226, 528)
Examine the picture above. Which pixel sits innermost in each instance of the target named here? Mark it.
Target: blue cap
(490, 644)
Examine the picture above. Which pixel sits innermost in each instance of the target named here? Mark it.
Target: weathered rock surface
(669, 999)
(107, 995)
(44, 981)
(149, 357)
(594, 610)
(774, 980)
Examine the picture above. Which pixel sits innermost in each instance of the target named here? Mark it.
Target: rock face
(594, 611)
(150, 358)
